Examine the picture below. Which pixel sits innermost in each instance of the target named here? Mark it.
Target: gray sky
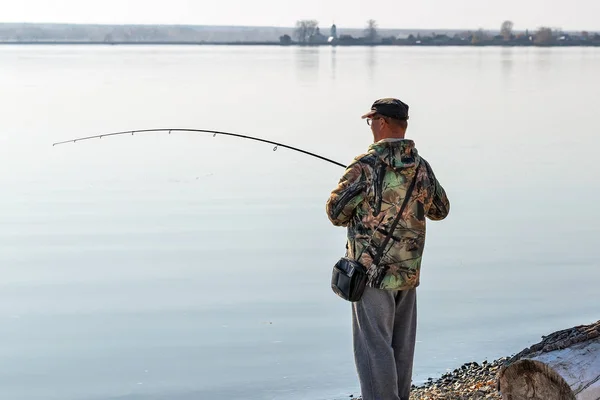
(471, 14)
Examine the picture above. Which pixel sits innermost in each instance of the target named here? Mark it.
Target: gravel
(471, 381)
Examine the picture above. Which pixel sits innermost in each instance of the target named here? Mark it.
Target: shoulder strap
(398, 217)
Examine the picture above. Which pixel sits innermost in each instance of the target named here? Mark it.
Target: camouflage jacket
(366, 201)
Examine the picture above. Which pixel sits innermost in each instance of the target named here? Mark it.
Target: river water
(187, 266)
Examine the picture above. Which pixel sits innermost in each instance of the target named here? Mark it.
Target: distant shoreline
(277, 43)
(305, 33)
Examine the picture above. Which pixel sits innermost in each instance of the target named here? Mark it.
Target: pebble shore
(472, 381)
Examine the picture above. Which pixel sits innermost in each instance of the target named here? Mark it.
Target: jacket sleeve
(347, 196)
(440, 205)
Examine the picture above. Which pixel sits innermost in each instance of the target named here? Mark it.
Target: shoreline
(480, 381)
(274, 43)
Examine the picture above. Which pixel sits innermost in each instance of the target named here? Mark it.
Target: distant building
(347, 40)
(333, 31)
(317, 37)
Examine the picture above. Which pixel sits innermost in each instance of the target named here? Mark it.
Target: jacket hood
(396, 153)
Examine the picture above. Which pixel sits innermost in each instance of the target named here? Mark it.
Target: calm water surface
(185, 266)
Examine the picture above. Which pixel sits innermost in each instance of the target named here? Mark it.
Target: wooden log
(563, 366)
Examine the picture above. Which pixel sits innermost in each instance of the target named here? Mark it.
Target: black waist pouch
(348, 279)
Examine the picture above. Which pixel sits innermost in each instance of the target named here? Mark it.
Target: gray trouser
(384, 325)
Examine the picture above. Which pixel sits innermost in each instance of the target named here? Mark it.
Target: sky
(415, 14)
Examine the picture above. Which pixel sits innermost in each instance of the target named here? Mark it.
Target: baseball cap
(388, 107)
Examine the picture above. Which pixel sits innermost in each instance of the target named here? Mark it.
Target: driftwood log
(563, 366)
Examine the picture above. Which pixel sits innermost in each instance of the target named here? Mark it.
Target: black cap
(389, 107)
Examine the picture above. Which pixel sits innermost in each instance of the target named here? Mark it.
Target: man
(366, 201)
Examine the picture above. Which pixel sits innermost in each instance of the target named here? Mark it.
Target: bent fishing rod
(215, 133)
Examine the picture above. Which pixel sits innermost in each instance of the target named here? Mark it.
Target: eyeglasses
(371, 119)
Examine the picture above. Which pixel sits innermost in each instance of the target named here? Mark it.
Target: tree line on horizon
(306, 31)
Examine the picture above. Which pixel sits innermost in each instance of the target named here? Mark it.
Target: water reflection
(371, 61)
(307, 63)
(333, 61)
(506, 61)
(542, 57)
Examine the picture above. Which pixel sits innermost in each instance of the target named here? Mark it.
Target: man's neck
(393, 136)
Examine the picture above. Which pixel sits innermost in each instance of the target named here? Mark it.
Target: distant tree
(585, 35)
(285, 40)
(305, 29)
(543, 36)
(478, 36)
(507, 30)
(371, 31)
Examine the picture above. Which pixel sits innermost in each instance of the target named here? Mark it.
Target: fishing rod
(215, 133)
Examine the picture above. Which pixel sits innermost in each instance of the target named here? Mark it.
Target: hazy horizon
(436, 14)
